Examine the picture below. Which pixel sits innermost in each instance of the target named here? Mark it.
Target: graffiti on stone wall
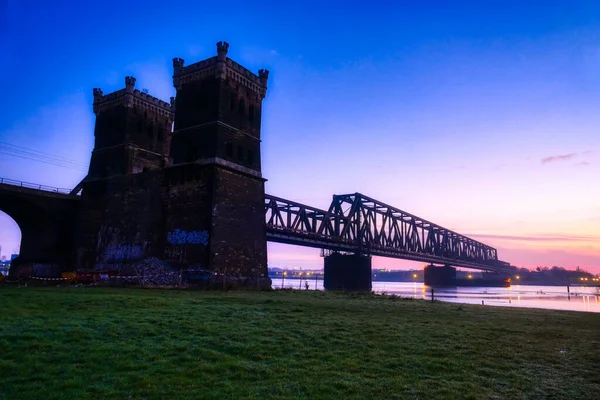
(179, 236)
(174, 253)
(179, 239)
(124, 252)
(113, 249)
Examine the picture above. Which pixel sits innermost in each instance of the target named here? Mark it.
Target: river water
(550, 297)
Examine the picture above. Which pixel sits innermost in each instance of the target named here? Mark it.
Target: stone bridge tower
(132, 132)
(194, 196)
(216, 144)
(120, 212)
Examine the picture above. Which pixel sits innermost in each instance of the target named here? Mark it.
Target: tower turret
(219, 107)
(217, 136)
(222, 49)
(132, 134)
(129, 84)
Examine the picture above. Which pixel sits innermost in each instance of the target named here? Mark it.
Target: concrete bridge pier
(347, 272)
(440, 276)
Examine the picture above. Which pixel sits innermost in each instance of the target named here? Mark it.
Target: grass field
(95, 343)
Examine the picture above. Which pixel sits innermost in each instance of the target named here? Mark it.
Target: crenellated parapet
(220, 67)
(131, 97)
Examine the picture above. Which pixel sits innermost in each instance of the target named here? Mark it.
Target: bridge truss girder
(360, 224)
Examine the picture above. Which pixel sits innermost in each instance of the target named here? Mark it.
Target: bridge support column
(440, 276)
(348, 273)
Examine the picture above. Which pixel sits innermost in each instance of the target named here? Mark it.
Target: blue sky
(480, 116)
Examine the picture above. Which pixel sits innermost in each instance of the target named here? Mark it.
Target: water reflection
(550, 297)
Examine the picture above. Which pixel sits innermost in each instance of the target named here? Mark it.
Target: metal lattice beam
(355, 222)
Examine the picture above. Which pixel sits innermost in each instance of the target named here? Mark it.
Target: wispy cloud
(567, 157)
(539, 238)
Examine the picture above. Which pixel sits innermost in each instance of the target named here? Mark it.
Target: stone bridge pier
(347, 272)
(440, 276)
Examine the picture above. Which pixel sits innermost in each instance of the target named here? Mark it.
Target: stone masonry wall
(238, 230)
(121, 220)
(164, 214)
(187, 200)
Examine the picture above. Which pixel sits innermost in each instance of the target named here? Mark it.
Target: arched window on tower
(231, 102)
(242, 107)
(150, 130)
(251, 113)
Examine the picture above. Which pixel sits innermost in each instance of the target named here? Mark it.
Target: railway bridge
(181, 181)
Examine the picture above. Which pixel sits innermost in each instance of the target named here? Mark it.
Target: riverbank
(136, 343)
(579, 298)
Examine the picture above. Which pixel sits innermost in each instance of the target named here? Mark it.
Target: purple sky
(483, 119)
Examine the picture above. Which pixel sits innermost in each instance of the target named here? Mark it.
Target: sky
(482, 117)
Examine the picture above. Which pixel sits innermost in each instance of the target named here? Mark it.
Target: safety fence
(104, 276)
(177, 278)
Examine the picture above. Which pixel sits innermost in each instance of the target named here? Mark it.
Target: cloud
(567, 157)
(584, 163)
(558, 158)
(539, 238)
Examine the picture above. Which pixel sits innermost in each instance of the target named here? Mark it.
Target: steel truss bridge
(359, 224)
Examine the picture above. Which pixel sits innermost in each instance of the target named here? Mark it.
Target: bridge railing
(35, 186)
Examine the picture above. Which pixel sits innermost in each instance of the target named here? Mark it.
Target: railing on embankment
(34, 186)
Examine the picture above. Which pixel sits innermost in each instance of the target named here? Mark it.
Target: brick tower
(121, 201)
(132, 133)
(216, 144)
(194, 197)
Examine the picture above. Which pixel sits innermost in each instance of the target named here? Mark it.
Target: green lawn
(98, 343)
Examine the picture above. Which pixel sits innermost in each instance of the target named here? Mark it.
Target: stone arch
(46, 223)
(10, 235)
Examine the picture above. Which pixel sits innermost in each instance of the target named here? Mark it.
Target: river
(549, 297)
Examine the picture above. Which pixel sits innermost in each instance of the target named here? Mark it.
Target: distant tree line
(555, 274)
